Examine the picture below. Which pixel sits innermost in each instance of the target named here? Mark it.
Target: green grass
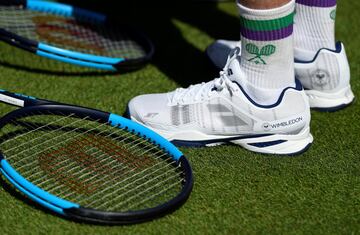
(235, 191)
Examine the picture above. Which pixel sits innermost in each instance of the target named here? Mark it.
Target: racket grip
(20, 100)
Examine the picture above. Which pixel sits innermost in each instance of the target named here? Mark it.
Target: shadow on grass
(19, 196)
(14, 193)
(174, 55)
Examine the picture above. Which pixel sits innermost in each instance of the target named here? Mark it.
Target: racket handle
(20, 100)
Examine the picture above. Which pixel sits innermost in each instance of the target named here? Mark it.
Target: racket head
(106, 170)
(73, 35)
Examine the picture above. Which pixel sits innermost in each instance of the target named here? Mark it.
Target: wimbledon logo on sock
(252, 49)
(333, 14)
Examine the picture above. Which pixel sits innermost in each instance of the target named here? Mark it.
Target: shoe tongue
(232, 69)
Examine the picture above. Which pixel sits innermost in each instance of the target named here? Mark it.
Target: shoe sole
(266, 144)
(330, 102)
(279, 144)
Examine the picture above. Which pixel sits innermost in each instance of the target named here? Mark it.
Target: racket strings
(71, 33)
(97, 181)
(60, 163)
(104, 159)
(33, 129)
(129, 178)
(133, 199)
(75, 130)
(101, 163)
(40, 138)
(135, 179)
(152, 147)
(164, 192)
(66, 160)
(41, 143)
(130, 194)
(91, 163)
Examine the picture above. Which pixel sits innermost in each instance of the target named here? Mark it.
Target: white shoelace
(205, 90)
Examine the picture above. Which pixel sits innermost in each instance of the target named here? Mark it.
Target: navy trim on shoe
(298, 87)
(295, 154)
(333, 109)
(202, 143)
(267, 144)
(338, 49)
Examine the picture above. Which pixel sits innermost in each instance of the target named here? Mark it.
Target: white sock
(314, 27)
(267, 51)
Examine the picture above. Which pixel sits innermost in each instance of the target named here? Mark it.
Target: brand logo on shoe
(267, 126)
(333, 14)
(258, 58)
(151, 115)
(230, 72)
(320, 77)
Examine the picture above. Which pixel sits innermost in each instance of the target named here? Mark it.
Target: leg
(263, 4)
(267, 48)
(320, 64)
(315, 27)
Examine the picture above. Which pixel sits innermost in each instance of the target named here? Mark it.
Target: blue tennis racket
(72, 35)
(90, 165)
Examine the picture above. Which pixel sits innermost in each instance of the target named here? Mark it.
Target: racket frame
(69, 56)
(72, 210)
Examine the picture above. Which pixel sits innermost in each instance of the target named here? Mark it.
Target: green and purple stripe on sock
(317, 3)
(267, 30)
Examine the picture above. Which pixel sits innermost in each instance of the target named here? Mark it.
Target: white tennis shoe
(220, 111)
(326, 78)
